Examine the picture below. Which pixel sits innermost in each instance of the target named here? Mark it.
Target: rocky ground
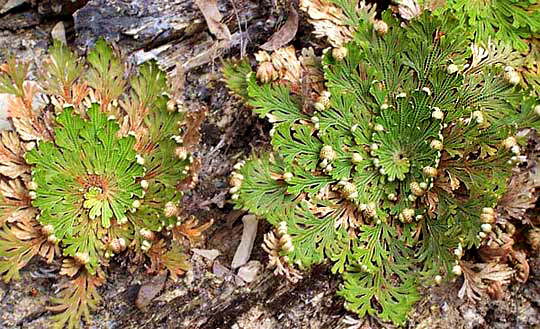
(212, 295)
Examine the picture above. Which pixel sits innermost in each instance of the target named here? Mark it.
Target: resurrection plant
(96, 165)
(394, 168)
(513, 24)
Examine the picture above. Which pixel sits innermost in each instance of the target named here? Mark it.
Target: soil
(211, 296)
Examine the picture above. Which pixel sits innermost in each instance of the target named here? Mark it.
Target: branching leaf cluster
(389, 176)
(93, 167)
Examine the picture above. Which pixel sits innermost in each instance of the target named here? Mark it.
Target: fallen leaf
(210, 254)
(285, 34)
(243, 252)
(213, 17)
(149, 290)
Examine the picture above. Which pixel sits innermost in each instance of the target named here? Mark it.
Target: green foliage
(87, 174)
(510, 21)
(100, 172)
(392, 175)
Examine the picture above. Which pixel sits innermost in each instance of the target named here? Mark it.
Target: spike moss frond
(388, 174)
(96, 171)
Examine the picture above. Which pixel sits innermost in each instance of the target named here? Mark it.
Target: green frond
(391, 174)
(235, 74)
(509, 21)
(61, 70)
(261, 193)
(274, 102)
(149, 84)
(107, 72)
(12, 76)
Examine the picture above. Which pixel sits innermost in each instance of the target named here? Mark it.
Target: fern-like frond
(76, 299)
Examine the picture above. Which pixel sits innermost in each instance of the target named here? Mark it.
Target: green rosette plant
(395, 168)
(96, 165)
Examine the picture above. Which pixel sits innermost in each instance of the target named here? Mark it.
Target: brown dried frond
(15, 202)
(521, 265)
(25, 116)
(345, 213)
(192, 177)
(497, 250)
(19, 243)
(70, 267)
(77, 297)
(483, 277)
(520, 196)
(311, 65)
(190, 230)
(328, 21)
(273, 246)
(191, 127)
(12, 163)
(173, 259)
(155, 253)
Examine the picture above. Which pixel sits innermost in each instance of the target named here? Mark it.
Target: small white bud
(339, 53)
(537, 109)
(515, 149)
(512, 77)
(437, 113)
(509, 142)
(456, 270)
(144, 184)
(486, 228)
(488, 210)
(52, 238)
(147, 234)
(380, 27)
(140, 159)
(436, 144)
(378, 127)
(478, 116)
(136, 204)
(327, 153)
(430, 171)
(452, 68)
(319, 106)
(438, 279)
(146, 245)
(82, 258)
(33, 185)
(287, 176)
(356, 158)
(170, 209)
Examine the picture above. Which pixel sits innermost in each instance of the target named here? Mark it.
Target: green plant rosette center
(84, 179)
